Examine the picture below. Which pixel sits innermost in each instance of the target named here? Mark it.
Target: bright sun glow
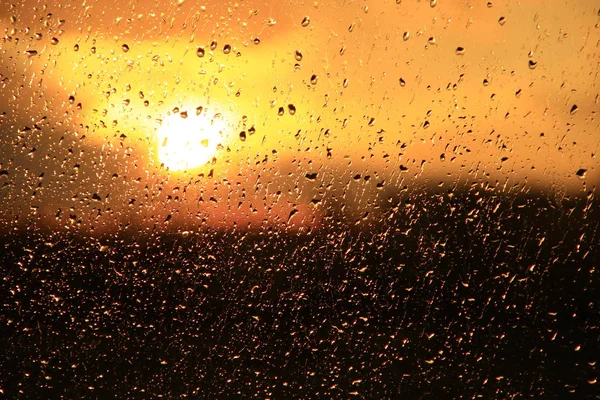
(190, 142)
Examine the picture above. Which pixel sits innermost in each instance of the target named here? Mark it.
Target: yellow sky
(458, 92)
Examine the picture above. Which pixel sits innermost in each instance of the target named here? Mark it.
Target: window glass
(286, 199)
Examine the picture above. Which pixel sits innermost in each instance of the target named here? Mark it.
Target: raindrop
(298, 56)
(305, 21)
(256, 41)
(213, 45)
(227, 49)
(54, 41)
(502, 21)
(432, 3)
(431, 40)
(243, 136)
(125, 48)
(314, 79)
(581, 173)
(76, 47)
(345, 83)
(200, 51)
(406, 36)
(532, 64)
(31, 52)
(402, 82)
(574, 109)
(460, 51)
(280, 111)
(292, 109)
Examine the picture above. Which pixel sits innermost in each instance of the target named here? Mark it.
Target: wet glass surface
(339, 199)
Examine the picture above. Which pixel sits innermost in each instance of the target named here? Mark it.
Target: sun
(189, 141)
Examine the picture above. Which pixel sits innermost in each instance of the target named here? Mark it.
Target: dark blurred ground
(474, 295)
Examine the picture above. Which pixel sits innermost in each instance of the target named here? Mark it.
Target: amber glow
(403, 94)
(188, 142)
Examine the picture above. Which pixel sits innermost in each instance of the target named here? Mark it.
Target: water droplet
(256, 41)
(213, 45)
(489, 4)
(227, 49)
(314, 79)
(200, 51)
(76, 47)
(292, 109)
(125, 48)
(460, 51)
(243, 136)
(280, 111)
(305, 21)
(54, 41)
(581, 173)
(298, 56)
(406, 36)
(486, 82)
(345, 83)
(532, 64)
(431, 40)
(502, 21)
(402, 82)
(574, 109)
(38, 36)
(432, 3)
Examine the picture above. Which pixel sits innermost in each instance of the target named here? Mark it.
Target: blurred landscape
(340, 199)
